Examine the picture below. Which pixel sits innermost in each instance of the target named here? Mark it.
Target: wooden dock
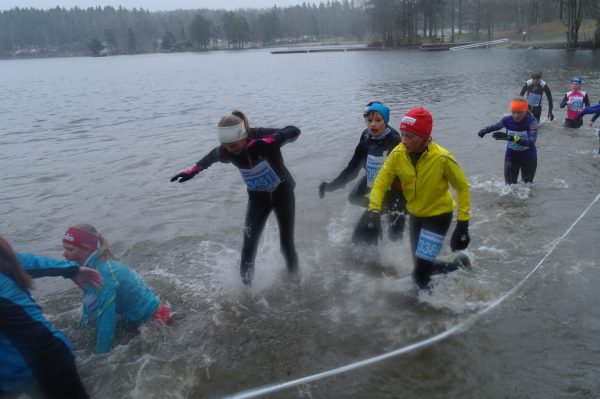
(323, 50)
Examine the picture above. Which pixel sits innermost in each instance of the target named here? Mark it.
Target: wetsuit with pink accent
(270, 187)
(521, 155)
(577, 102)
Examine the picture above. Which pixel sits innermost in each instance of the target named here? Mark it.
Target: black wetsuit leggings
(513, 166)
(573, 123)
(536, 111)
(424, 268)
(260, 204)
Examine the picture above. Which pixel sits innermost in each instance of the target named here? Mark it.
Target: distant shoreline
(303, 47)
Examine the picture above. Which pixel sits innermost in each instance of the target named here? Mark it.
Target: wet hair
(11, 267)
(104, 252)
(234, 118)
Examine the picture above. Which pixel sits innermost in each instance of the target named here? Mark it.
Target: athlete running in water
(535, 88)
(521, 134)
(575, 100)
(256, 152)
(375, 143)
(426, 170)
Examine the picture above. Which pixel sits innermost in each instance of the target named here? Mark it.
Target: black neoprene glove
(500, 136)
(550, 116)
(482, 133)
(368, 229)
(187, 175)
(460, 237)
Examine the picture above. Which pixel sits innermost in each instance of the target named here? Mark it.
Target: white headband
(231, 134)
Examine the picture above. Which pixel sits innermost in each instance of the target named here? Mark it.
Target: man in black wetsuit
(535, 88)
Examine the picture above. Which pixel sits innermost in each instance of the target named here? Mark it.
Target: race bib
(534, 99)
(576, 104)
(430, 245)
(516, 146)
(373, 165)
(261, 177)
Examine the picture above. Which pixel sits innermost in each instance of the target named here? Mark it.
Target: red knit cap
(417, 121)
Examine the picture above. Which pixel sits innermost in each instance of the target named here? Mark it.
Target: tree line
(387, 23)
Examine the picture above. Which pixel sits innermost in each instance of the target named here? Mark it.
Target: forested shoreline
(385, 23)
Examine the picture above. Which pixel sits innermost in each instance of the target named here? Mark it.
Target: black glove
(550, 116)
(187, 175)
(460, 237)
(482, 133)
(368, 229)
(500, 136)
(322, 188)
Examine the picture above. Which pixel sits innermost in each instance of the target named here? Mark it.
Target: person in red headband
(123, 294)
(428, 199)
(520, 134)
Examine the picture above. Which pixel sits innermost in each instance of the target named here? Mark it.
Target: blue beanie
(577, 80)
(382, 109)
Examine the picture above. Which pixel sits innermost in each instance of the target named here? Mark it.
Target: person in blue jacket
(521, 133)
(256, 152)
(594, 109)
(34, 354)
(375, 143)
(123, 294)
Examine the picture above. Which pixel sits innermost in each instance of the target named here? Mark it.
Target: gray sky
(152, 5)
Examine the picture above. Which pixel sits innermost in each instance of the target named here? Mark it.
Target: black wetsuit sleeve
(523, 90)
(45, 354)
(549, 97)
(282, 136)
(563, 103)
(216, 155)
(351, 171)
(586, 100)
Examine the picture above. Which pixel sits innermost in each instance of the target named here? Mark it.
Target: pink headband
(81, 239)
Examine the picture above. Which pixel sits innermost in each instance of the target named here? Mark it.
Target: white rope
(252, 393)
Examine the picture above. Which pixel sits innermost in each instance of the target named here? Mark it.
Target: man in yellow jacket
(425, 170)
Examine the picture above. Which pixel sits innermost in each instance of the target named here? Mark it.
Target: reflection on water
(96, 140)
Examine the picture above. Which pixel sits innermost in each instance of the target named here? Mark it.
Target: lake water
(96, 140)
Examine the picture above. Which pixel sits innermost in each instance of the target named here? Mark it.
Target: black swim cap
(536, 75)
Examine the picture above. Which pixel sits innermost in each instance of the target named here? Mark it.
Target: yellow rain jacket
(425, 186)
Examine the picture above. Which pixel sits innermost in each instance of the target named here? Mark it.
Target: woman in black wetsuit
(256, 152)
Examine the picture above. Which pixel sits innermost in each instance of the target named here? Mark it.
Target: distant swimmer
(123, 296)
(256, 152)
(374, 145)
(426, 171)
(535, 88)
(575, 100)
(35, 356)
(521, 130)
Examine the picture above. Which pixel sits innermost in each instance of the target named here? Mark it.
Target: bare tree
(574, 16)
